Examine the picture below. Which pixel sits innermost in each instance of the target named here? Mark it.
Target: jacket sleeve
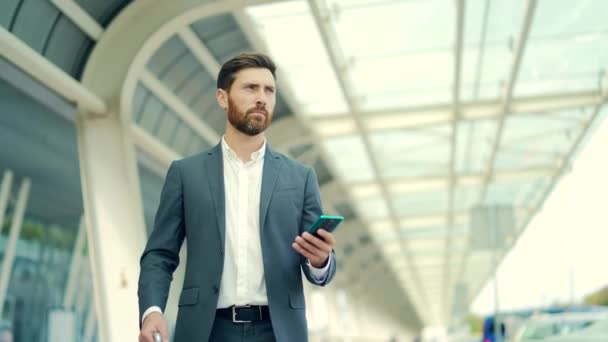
(161, 255)
(311, 211)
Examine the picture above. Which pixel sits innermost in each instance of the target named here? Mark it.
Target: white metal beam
(483, 109)
(482, 49)
(75, 267)
(200, 51)
(523, 140)
(24, 57)
(160, 153)
(506, 103)
(322, 19)
(459, 37)
(330, 40)
(425, 116)
(433, 219)
(181, 109)
(153, 147)
(508, 92)
(441, 181)
(507, 106)
(80, 18)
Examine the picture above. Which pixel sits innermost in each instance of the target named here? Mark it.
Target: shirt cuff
(319, 274)
(149, 311)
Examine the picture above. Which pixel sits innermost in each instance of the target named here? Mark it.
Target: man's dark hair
(243, 61)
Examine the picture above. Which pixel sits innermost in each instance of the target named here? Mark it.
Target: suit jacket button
(216, 289)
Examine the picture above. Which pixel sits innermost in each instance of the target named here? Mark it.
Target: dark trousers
(224, 330)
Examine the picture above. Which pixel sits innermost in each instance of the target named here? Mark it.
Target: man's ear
(222, 98)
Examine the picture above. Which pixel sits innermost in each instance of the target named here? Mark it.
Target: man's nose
(261, 100)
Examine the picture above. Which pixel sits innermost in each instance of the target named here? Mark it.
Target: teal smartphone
(327, 222)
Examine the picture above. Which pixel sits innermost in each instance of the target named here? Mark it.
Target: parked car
(544, 327)
(596, 332)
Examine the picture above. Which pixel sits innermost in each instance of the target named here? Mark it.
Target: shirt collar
(255, 156)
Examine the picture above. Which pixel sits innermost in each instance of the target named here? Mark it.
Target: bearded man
(244, 210)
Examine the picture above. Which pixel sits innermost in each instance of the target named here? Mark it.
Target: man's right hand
(154, 322)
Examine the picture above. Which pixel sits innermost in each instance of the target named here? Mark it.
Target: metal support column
(11, 247)
(85, 289)
(74, 273)
(90, 324)
(5, 191)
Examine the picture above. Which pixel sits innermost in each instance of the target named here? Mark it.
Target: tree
(33, 231)
(475, 322)
(599, 297)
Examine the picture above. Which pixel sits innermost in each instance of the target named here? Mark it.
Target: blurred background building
(461, 139)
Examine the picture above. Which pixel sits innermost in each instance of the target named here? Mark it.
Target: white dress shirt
(243, 274)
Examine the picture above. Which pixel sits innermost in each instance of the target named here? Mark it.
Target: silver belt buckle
(234, 320)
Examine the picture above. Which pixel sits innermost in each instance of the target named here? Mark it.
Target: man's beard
(248, 122)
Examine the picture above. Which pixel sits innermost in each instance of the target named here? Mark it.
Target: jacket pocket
(296, 300)
(189, 296)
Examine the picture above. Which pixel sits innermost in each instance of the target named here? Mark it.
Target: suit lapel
(215, 170)
(270, 173)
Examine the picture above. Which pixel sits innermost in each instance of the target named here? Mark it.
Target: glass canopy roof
(437, 127)
(432, 108)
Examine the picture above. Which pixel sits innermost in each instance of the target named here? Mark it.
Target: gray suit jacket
(192, 206)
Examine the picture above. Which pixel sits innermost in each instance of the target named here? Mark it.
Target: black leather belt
(244, 314)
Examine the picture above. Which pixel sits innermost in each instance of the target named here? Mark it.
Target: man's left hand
(316, 250)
